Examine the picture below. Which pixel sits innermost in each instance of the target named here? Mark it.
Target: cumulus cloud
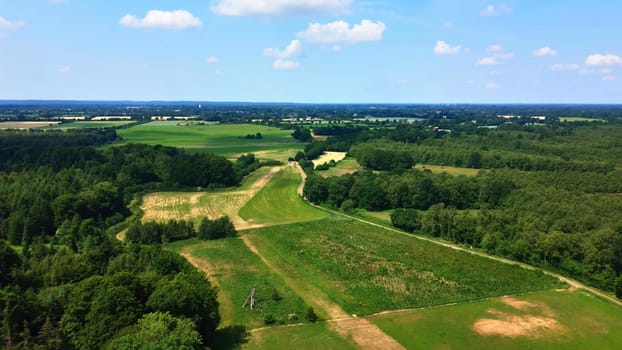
(492, 86)
(6, 24)
(178, 20)
(339, 32)
(560, 67)
(443, 48)
(603, 60)
(278, 7)
(284, 58)
(212, 59)
(544, 52)
(281, 64)
(494, 10)
(498, 56)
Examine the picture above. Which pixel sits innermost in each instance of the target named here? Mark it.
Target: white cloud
(495, 48)
(64, 69)
(212, 59)
(448, 25)
(282, 64)
(544, 52)
(610, 77)
(559, 67)
(294, 49)
(278, 7)
(178, 19)
(603, 60)
(339, 32)
(6, 24)
(492, 86)
(443, 48)
(487, 61)
(494, 10)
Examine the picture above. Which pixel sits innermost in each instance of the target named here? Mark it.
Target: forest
(547, 195)
(66, 282)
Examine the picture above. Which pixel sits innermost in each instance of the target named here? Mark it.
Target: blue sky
(318, 51)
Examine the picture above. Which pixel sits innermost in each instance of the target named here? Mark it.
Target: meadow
(450, 170)
(228, 140)
(346, 166)
(366, 269)
(562, 319)
(90, 124)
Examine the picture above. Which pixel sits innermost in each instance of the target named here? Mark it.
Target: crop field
(91, 124)
(196, 205)
(346, 166)
(228, 140)
(581, 119)
(366, 269)
(327, 156)
(26, 125)
(451, 170)
(563, 319)
(279, 203)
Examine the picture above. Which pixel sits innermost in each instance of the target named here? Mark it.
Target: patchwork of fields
(370, 287)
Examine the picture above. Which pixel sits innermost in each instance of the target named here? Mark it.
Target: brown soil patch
(538, 323)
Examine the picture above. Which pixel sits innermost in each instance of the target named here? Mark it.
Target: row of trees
(152, 232)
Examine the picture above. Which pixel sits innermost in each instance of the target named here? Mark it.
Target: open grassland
(346, 166)
(563, 319)
(381, 217)
(451, 170)
(26, 125)
(235, 270)
(278, 202)
(228, 140)
(91, 124)
(326, 157)
(581, 119)
(366, 269)
(195, 205)
(308, 336)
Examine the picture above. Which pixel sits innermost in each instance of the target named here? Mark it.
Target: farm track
(364, 333)
(569, 281)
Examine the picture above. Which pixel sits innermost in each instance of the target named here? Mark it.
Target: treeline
(153, 232)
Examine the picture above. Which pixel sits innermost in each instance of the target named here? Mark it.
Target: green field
(366, 269)
(346, 166)
(224, 139)
(581, 119)
(545, 320)
(451, 170)
(91, 124)
(310, 336)
(279, 203)
(237, 270)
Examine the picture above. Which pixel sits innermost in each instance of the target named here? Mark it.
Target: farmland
(90, 124)
(229, 140)
(451, 170)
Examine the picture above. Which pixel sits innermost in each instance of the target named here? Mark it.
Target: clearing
(327, 156)
(451, 170)
(346, 166)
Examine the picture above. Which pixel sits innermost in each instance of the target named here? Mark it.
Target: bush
(269, 320)
(406, 219)
(215, 229)
(311, 316)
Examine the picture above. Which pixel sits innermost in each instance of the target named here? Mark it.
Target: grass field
(326, 157)
(194, 206)
(366, 269)
(346, 166)
(309, 336)
(224, 139)
(451, 170)
(581, 119)
(546, 320)
(90, 124)
(236, 270)
(279, 203)
(26, 125)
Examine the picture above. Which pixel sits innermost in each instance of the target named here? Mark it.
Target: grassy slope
(346, 166)
(237, 269)
(226, 139)
(588, 323)
(311, 336)
(366, 269)
(278, 202)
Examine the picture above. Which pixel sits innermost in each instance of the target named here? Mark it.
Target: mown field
(224, 139)
(567, 319)
(90, 124)
(279, 203)
(366, 269)
(345, 166)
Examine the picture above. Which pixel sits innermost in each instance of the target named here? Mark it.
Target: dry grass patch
(327, 156)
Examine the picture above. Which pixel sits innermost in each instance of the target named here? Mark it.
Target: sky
(313, 51)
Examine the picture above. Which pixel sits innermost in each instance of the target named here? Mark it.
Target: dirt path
(569, 281)
(363, 333)
(226, 305)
